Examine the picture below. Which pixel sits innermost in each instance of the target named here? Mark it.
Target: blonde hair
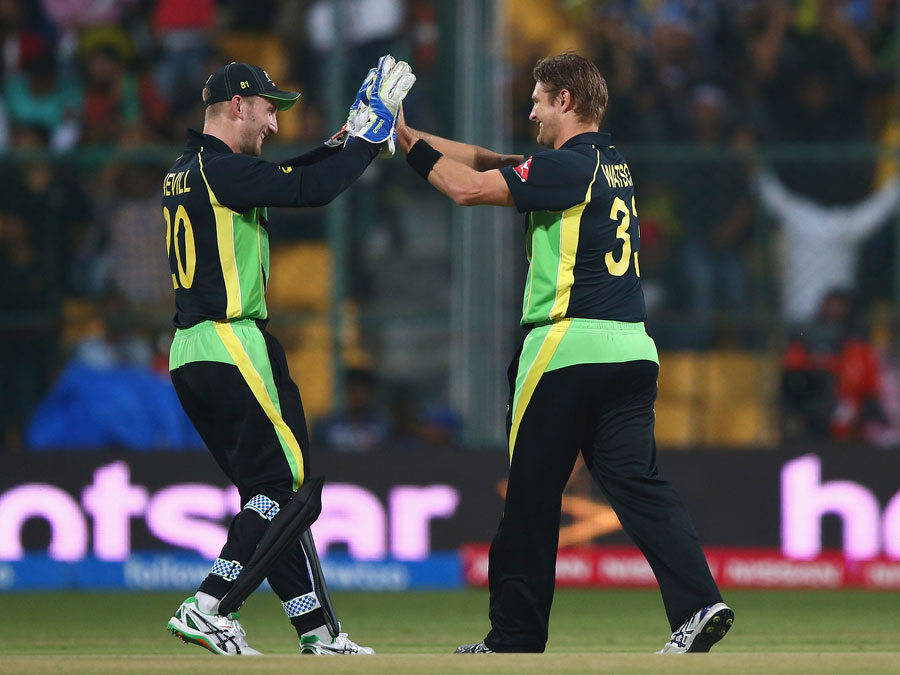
(580, 77)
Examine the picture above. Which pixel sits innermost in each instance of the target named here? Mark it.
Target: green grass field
(591, 631)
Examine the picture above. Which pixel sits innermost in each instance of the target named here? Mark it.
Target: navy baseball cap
(244, 79)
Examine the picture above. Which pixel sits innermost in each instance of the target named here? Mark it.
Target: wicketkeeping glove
(359, 112)
(391, 85)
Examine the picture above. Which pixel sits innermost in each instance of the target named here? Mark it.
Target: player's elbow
(473, 188)
(466, 198)
(466, 195)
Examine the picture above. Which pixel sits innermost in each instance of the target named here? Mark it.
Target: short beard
(249, 145)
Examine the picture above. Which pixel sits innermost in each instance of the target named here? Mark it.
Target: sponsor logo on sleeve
(522, 169)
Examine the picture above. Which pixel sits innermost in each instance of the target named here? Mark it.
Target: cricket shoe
(219, 634)
(477, 648)
(700, 632)
(339, 646)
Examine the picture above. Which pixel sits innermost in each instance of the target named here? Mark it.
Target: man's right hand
(358, 114)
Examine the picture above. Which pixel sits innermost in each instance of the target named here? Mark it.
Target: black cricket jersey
(214, 206)
(583, 236)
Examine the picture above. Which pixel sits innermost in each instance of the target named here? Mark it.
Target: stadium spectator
(78, 14)
(72, 17)
(24, 32)
(716, 212)
(412, 428)
(118, 343)
(122, 255)
(660, 233)
(816, 72)
(830, 376)
(820, 243)
(884, 430)
(184, 31)
(42, 216)
(109, 397)
(52, 205)
(614, 43)
(40, 96)
(362, 428)
(362, 40)
(330, 23)
(121, 105)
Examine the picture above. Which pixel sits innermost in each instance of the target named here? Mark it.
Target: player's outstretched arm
(473, 156)
(463, 184)
(355, 120)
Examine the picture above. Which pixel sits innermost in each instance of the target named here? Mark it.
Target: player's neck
(224, 133)
(573, 129)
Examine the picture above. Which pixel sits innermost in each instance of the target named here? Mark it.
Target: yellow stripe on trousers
(538, 366)
(254, 380)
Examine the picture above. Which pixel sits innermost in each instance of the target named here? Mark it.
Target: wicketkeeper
(229, 372)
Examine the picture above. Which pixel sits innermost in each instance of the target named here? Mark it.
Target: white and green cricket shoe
(339, 646)
(219, 634)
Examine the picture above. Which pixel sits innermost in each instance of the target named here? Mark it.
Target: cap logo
(267, 77)
(522, 169)
(245, 84)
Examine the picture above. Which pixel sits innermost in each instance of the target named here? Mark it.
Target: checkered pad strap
(264, 506)
(301, 605)
(227, 569)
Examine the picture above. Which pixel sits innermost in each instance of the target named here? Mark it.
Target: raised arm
(868, 215)
(241, 182)
(473, 156)
(468, 174)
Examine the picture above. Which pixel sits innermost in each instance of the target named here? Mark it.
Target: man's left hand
(392, 83)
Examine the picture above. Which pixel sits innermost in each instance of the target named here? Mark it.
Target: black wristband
(422, 157)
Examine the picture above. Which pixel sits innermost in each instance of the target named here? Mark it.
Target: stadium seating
(716, 398)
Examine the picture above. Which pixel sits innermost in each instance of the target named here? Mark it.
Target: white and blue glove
(373, 116)
(358, 114)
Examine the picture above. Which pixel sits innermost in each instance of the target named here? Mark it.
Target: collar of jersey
(196, 140)
(589, 137)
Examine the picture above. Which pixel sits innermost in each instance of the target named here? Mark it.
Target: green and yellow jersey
(583, 236)
(215, 211)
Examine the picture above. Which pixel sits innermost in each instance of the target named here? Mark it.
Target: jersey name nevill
(176, 183)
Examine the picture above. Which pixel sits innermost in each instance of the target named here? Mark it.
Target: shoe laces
(343, 641)
(232, 624)
(687, 628)
(678, 637)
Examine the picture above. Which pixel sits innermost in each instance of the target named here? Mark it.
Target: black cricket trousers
(249, 414)
(605, 411)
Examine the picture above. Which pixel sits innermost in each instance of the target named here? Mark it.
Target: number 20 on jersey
(184, 276)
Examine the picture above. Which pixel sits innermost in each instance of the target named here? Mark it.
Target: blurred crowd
(780, 70)
(95, 95)
(735, 240)
(730, 238)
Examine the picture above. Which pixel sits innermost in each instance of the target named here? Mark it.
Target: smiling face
(259, 121)
(546, 113)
